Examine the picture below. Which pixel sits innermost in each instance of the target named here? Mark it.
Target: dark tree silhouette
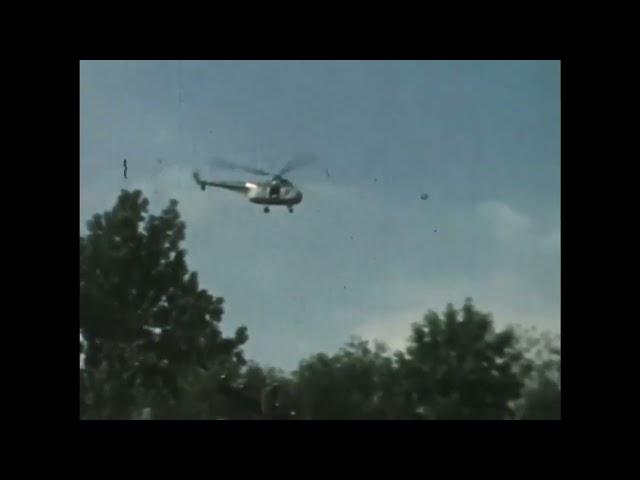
(149, 329)
(458, 367)
(152, 348)
(359, 382)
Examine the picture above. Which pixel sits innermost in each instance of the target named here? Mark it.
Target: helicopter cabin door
(274, 191)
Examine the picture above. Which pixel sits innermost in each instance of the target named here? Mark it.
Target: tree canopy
(151, 347)
(149, 330)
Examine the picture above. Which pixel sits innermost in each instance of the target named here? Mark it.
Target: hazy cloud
(505, 221)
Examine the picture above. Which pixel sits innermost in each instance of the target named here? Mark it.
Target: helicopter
(277, 191)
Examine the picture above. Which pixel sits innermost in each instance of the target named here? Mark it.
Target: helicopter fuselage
(278, 191)
(273, 193)
(262, 193)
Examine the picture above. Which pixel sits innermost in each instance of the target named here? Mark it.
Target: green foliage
(149, 329)
(359, 382)
(459, 367)
(456, 366)
(541, 397)
(151, 342)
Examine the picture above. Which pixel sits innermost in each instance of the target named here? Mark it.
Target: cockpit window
(274, 191)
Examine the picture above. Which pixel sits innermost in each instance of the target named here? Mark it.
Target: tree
(356, 383)
(541, 397)
(458, 367)
(150, 342)
(151, 335)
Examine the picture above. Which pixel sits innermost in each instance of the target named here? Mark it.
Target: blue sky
(363, 254)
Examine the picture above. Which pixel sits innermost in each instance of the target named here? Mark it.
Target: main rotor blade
(234, 166)
(299, 160)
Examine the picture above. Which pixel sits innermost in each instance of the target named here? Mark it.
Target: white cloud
(505, 222)
(509, 290)
(518, 230)
(506, 295)
(392, 328)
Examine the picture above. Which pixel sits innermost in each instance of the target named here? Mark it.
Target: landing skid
(267, 210)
